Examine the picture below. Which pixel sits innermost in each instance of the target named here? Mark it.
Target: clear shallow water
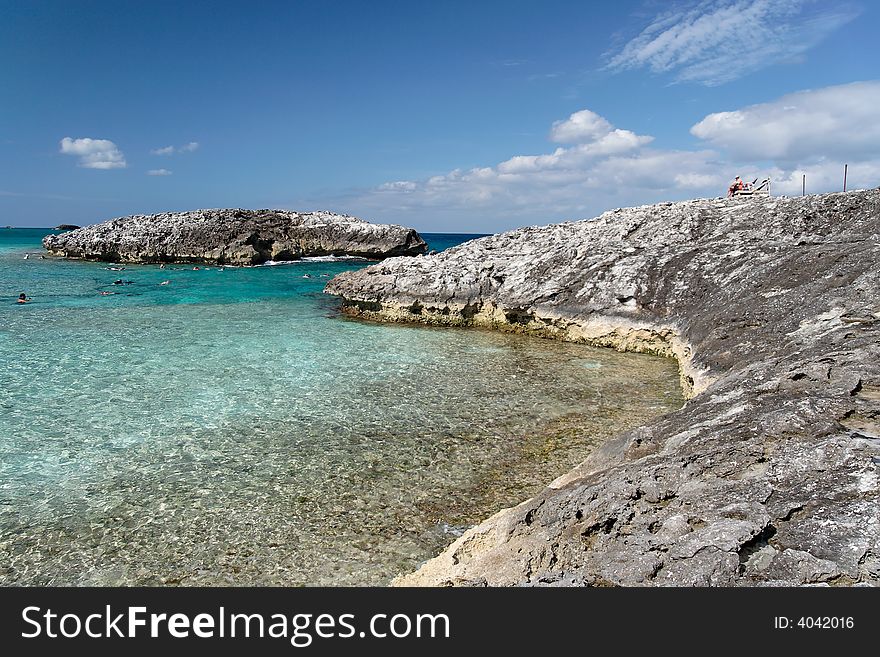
(232, 428)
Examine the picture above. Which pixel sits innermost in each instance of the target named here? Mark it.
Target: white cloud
(608, 166)
(580, 126)
(715, 42)
(834, 122)
(824, 176)
(94, 153)
(614, 143)
(399, 185)
(159, 172)
(613, 167)
(594, 137)
(170, 150)
(697, 181)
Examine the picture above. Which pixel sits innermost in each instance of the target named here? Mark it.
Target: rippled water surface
(230, 427)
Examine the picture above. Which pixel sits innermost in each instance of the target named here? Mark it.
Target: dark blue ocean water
(232, 427)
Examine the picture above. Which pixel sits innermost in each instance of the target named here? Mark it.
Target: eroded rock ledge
(238, 237)
(769, 474)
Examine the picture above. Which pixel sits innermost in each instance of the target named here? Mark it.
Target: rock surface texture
(769, 474)
(236, 237)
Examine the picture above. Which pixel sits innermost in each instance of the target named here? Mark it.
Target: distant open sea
(231, 427)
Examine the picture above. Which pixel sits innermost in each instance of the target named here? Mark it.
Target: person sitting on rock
(735, 186)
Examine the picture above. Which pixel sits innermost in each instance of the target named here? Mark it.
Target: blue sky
(447, 116)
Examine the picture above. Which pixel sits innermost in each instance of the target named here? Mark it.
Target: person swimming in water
(23, 298)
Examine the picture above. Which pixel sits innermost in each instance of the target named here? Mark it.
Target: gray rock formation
(769, 474)
(237, 237)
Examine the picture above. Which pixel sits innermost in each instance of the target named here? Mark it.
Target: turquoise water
(231, 427)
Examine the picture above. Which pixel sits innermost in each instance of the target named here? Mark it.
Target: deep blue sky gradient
(293, 103)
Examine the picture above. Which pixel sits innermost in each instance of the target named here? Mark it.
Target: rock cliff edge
(769, 475)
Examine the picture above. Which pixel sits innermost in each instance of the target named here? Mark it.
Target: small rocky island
(234, 237)
(770, 473)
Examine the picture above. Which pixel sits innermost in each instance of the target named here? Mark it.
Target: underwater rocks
(769, 475)
(235, 237)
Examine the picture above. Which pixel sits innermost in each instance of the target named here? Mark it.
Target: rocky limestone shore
(235, 237)
(769, 473)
